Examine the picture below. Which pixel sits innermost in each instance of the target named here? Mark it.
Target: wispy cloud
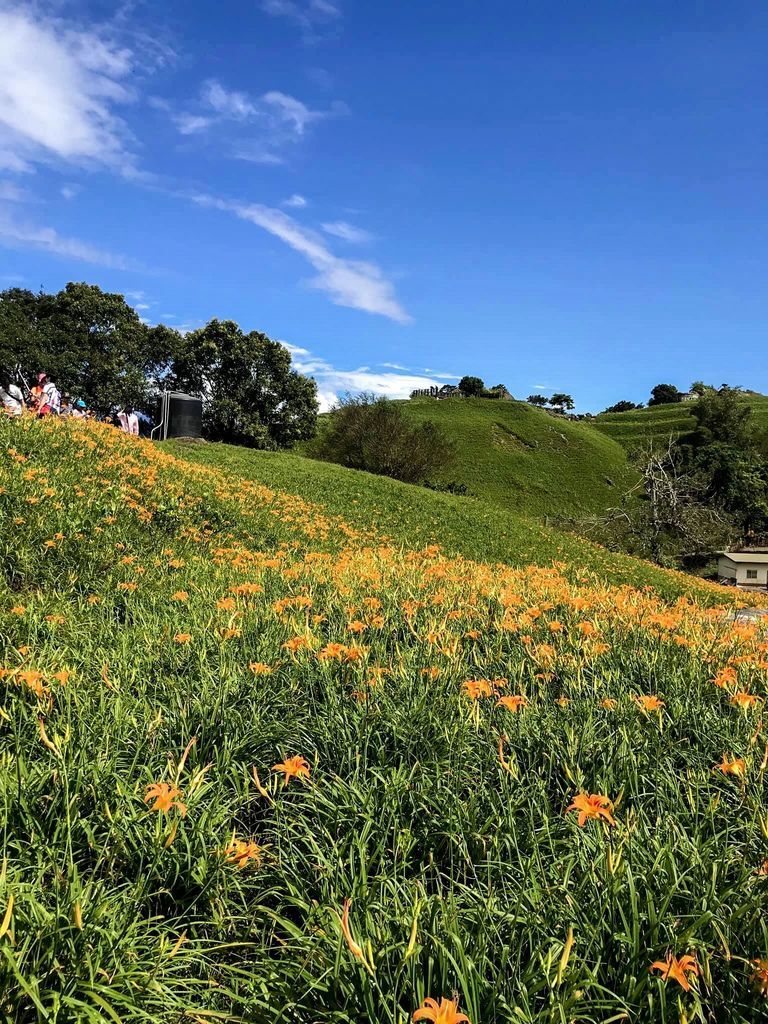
(333, 382)
(253, 128)
(295, 202)
(354, 283)
(59, 89)
(18, 235)
(347, 232)
(11, 193)
(315, 18)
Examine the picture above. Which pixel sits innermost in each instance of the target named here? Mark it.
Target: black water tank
(180, 415)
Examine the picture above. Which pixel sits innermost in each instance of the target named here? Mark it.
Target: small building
(746, 569)
(688, 396)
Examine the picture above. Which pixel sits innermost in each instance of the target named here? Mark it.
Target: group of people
(45, 399)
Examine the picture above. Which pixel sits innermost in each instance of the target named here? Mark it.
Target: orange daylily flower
(735, 767)
(744, 700)
(592, 806)
(259, 668)
(726, 677)
(649, 703)
(476, 688)
(759, 977)
(183, 638)
(444, 1012)
(297, 767)
(609, 703)
(165, 797)
(241, 852)
(678, 970)
(512, 703)
(180, 595)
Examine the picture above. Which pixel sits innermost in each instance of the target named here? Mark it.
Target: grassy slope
(524, 459)
(631, 429)
(415, 516)
(161, 623)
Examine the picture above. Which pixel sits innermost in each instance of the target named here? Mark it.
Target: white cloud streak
(354, 283)
(313, 17)
(333, 382)
(59, 87)
(295, 202)
(347, 232)
(15, 235)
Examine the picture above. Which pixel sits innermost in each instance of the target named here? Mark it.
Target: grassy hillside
(632, 429)
(525, 459)
(259, 764)
(415, 517)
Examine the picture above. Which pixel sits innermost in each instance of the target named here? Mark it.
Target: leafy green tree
(91, 342)
(538, 400)
(374, 434)
(250, 394)
(624, 406)
(471, 386)
(664, 394)
(561, 401)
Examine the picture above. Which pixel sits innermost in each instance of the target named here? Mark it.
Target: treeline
(95, 347)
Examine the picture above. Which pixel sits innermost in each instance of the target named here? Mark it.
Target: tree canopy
(95, 346)
(471, 386)
(664, 394)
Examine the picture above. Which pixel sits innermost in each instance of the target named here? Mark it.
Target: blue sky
(555, 196)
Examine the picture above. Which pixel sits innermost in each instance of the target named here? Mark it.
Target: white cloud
(296, 202)
(69, 191)
(11, 193)
(58, 89)
(15, 235)
(291, 111)
(229, 104)
(256, 129)
(354, 283)
(312, 16)
(191, 124)
(347, 232)
(333, 382)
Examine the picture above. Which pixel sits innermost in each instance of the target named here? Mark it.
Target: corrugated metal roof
(755, 557)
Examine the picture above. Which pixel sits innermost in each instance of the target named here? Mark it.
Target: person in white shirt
(51, 398)
(129, 422)
(12, 400)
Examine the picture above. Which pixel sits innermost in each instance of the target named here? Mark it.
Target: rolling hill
(634, 428)
(521, 458)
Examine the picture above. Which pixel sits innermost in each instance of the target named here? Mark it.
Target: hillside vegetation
(524, 459)
(260, 764)
(635, 428)
(468, 527)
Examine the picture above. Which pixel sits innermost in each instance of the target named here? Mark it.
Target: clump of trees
(560, 401)
(474, 387)
(624, 406)
(373, 433)
(96, 347)
(697, 492)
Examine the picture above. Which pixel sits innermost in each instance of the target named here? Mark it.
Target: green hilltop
(632, 429)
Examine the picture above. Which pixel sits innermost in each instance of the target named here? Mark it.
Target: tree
(538, 400)
(561, 401)
(250, 394)
(624, 406)
(499, 391)
(91, 342)
(374, 434)
(664, 394)
(471, 386)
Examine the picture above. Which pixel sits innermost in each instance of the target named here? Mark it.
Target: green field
(269, 754)
(632, 429)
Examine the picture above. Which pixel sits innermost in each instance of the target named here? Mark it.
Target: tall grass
(172, 632)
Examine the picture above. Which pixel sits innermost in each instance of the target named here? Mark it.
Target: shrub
(370, 433)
